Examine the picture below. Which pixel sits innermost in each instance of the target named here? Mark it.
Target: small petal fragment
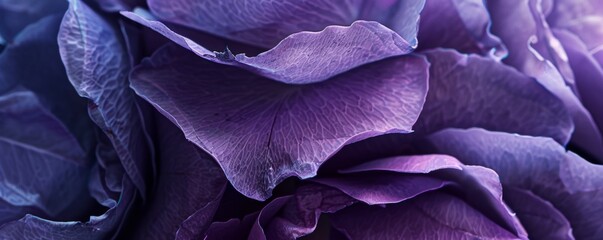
(463, 25)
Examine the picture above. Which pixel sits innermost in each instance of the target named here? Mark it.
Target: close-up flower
(309, 119)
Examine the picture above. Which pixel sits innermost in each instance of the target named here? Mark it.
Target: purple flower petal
(119, 5)
(43, 171)
(383, 187)
(110, 163)
(534, 51)
(589, 82)
(231, 229)
(188, 181)
(288, 217)
(15, 15)
(460, 24)
(390, 184)
(98, 189)
(32, 60)
(539, 165)
(266, 23)
(408, 164)
(304, 57)
(473, 91)
(97, 66)
(433, 215)
(393, 183)
(581, 17)
(101, 227)
(297, 215)
(261, 131)
(538, 216)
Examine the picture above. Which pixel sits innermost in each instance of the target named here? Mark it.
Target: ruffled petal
(305, 57)
(265, 24)
(98, 67)
(473, 91)
(261, 131)
(536, 164)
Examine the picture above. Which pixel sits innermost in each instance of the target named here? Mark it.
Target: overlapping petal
(433, 215)
(588, 73)
(305, 57)
(189, 184)
(42, 171)
(583, 18)
(15, 15)
(534, 51)
(101, 227)
(463, 25)
(262, 131)
(266, 23)
(472, 91)
(297, 215)
(32, 61)
(98, 67)
(571, 184)
(540, 218)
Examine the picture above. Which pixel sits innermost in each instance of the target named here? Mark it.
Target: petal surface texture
(571, 184)
(261, 131)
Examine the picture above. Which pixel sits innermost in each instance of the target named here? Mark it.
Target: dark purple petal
(538, 216)
(101, 227)
(109, 161)
(460, 24)
(288, 217)
(392, 183)
(197, 224)
(539, 165)
(119, 5)
(305, 57)
(297, 215)
(231, 229)
(433, 215)
(97, 66)
(265, 24)
(589, 82)
(15, 15)
(261, 131)
(32, 60)
(97, 188)
(473, 91)
(45, 171)
(188, 180)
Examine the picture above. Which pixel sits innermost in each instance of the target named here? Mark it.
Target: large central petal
(262, 131)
